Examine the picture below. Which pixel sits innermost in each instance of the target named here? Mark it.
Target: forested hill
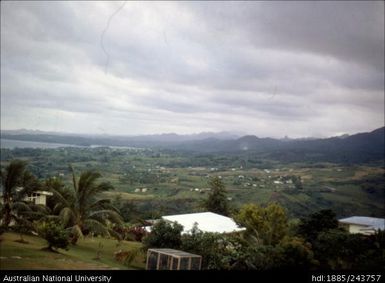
(362, 147)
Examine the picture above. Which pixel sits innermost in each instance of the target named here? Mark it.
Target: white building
(207, 222)
(362, 224)
(38, 197)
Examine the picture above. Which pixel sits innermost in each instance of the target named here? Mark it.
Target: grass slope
(16, 255)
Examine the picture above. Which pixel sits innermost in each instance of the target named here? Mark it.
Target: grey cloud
(272, 62)
(349, 30)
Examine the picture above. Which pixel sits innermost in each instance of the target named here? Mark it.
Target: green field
(152, 182)
(31, 255)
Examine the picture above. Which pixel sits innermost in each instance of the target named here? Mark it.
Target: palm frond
(103, 204)
(97, 227)
(40, 208)
(45, 218)
(87, 179)
(11, 177)
(57, 208)
(86, 186)
(20, 220)
(64, 201)
(115, 234)
(100, 204)
(73, 177)
(20, 207)
(28, 183)
(31, 215)
(77, 231)
(104, 186)
(67, 216)
(23, 222)
(106, 214)
(114, 208)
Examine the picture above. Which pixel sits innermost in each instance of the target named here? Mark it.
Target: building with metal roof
(362, 224)
(206, 221)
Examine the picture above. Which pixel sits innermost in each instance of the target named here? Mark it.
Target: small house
(38, 197)
(362, 224)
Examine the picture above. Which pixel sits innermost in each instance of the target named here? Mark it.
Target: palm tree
(80, 210)
(16, 183)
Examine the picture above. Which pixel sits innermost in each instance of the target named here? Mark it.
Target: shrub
(216, 249)
(164, 235)
(127, 257)
(54, 234)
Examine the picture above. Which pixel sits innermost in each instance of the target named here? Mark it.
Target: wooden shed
(170, 259)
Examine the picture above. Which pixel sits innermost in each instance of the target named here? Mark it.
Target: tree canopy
(217, 200)
(80, 209)
(164, 235)
(17, 182)
(268, 225)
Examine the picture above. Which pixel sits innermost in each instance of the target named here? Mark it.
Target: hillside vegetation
(153, 182)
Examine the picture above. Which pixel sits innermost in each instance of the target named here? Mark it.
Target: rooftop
(370, 222)
(207, 222)
(175, 253)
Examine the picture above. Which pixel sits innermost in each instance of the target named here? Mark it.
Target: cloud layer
(265, 68)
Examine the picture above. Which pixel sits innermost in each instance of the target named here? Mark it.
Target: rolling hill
(358, 148)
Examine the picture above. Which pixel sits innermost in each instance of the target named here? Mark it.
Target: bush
(164, 235)
(216, 250)
(295, 253)
(54, 234)
(133, 233)
(321, 221)
(127, 257)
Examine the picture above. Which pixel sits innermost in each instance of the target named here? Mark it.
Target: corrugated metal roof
(207, 222)
(370, 222)
(173, 252)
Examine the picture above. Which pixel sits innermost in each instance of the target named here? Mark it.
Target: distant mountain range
(361, 147)
(166, 137)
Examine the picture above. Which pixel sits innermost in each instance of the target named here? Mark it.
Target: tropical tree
(57, 185)
(81, 211)
(216, 249)
(16, 183)
(53, 232)
(311, 226)
(295, 253)
(266, 225)
(217, 201)
(164, 235)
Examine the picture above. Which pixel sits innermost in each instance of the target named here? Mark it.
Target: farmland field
(149, 182)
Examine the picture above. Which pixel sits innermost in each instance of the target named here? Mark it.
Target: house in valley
(362, 224)
(38, 197)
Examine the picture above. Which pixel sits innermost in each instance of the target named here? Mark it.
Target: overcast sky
(266, 68)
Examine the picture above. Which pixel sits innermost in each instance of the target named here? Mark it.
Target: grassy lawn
(30, 255)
